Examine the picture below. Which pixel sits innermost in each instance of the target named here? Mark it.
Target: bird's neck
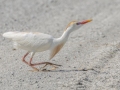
(63, 38)
(58, 43)
(65, 34)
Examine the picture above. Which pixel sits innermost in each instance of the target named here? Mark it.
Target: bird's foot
(54, 66)
(34, 69)
(47, 70)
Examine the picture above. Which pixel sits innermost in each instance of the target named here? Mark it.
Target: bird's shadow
(74, 70)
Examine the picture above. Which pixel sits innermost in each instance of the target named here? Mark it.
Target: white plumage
(30, 41)
(34, 42)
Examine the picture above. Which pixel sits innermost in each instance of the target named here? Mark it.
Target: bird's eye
(77, 23)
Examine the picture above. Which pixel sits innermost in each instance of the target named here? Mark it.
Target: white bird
(34, 42)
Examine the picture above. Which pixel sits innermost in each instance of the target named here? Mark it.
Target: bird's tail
(8, 34)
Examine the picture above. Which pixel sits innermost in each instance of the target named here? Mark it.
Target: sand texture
(90, 59)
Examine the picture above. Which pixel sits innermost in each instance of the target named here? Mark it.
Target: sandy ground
(95, 46)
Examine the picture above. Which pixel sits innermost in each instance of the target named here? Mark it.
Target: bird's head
(74, 25)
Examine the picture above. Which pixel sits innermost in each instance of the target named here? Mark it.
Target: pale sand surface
(95, 45)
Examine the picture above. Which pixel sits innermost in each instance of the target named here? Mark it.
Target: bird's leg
(46, 63)
(23, 59)
(30, 64)
(30, 60)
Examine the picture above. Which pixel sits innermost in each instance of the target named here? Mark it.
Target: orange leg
(29, 63)
(23, 59)
(46, 63)
(32, 65)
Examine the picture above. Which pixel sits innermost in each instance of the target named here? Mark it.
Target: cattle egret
(34, 42)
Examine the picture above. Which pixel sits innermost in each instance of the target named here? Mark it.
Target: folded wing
(30, 40)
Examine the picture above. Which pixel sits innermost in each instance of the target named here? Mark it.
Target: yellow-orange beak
(84, 22)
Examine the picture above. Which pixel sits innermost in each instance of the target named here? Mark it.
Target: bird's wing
(55, 50)
(29, 39)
